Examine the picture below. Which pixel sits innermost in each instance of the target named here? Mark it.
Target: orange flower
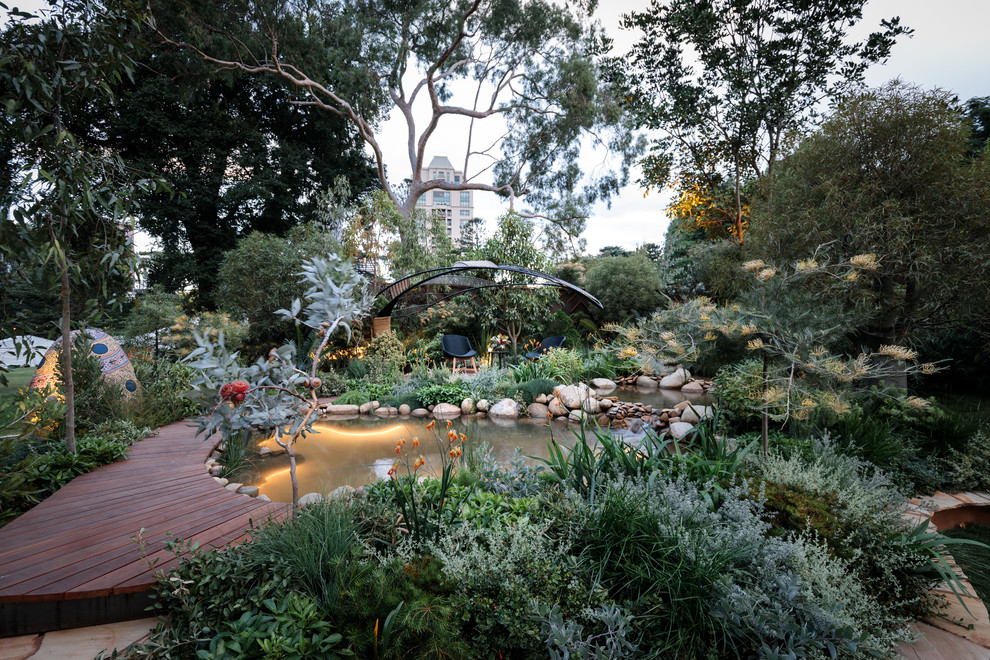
(429, 427)
(415, 442)
(463, 437)
(451, 436)
(449, 423)
(397, 449)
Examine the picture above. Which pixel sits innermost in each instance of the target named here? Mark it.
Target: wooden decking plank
(77, 532)
(78, 543)
(99, 515)
(117, 550)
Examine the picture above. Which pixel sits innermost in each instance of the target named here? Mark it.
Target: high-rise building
(454, 208)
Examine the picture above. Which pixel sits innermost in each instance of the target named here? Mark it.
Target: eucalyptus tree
(63, 215)
(726, 83)
(525, 67)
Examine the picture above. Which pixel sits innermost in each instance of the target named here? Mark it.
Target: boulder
(375, 405)
(506, 408)
(264, 498)
(557, 408)
(646, 382)
(694, 387)
(679, 429)
(541, 398)
(365, 408)
(694, 414)
(681, 405)
(605, 404)
(537, 411)
(341, 493)
(483, 405)
(446, 410)
(310, 498)
(591, 406)
(221, 480)
(571, 396)
(676, 380)
(233, 486)
(343, 409)
(420, 412)
(404, 409)
(577, 416)
(383, 411)
(603, 384)
(467, 406)
(250, 491)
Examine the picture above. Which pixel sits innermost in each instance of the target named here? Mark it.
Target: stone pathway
(959, 635)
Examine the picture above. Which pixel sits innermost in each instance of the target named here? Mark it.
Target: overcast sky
(950, 49)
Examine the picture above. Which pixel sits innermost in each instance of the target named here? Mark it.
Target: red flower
(240, 386)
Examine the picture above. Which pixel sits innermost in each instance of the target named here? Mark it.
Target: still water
(356, 452)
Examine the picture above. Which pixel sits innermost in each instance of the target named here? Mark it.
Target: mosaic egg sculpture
(116, 368)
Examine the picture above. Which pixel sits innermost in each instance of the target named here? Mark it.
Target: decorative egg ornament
(115, 366)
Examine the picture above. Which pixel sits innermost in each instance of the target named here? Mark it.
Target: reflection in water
(359, 451)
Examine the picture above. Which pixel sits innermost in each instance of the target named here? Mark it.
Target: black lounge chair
(458, 347)
(545, 346)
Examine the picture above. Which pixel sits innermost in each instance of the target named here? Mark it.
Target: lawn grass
(974, 560)
(17, 379)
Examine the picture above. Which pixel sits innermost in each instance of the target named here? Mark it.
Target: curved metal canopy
(448, 275)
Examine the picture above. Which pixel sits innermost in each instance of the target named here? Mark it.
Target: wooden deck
(73, 561)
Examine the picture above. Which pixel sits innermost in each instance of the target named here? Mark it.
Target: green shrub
(453, 393)
(334, 383)
(353, 398)
(738, 388)
(385, 359)
(531, 389)
(164, 384)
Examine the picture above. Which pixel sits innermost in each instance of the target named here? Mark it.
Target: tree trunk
(765, 431)
(70, 393)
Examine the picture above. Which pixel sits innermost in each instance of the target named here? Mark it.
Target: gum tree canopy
(726, 81)
(524, 67)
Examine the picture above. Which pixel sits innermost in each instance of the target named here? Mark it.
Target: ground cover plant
(606, 550)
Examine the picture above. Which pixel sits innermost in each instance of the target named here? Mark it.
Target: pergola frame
(413, 284)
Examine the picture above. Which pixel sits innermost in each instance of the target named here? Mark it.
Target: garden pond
(356, 452)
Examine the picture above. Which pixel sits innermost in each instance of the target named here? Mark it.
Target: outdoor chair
(545, 346)
(458, 347)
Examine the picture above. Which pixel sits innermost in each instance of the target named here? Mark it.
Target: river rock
(605, 404)
(375, 405)
(591, 406)
(694, 414)
(679, 429)
(557, 408)
(404, 409)
(646, 382)
(233, 486)
(571, 396)
(694, 387)
(215, 470)
(483, 405)
(541, 398)
(681, 405)
(446, 410)
(341, 493)
(250, 491)
(538, 411)
(603, 384)
(506, 408)
(676, 380)
(420, 412)
(365, 408)
(264, 498)
(577, 416)
(635, 425)
(343, 409)
(467, 406)
(310, 498)
(221, 480)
